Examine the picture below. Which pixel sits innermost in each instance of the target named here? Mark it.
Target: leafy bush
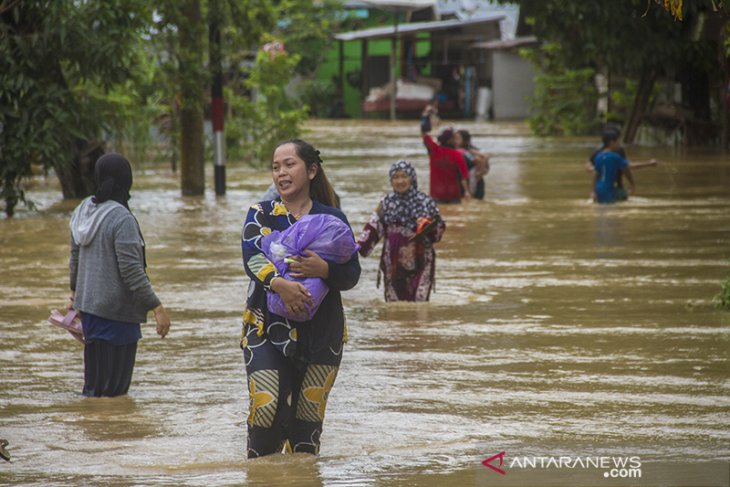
(722, 300)
(621, 102)
(318, 95)
(65, 71)
(564, 101)
(257, 124)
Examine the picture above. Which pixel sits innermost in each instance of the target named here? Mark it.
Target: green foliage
(78, 75)
(59, 62)
(244, 23)
(564, 101)
(625, 38)
(318, 95)
(138, 106)
(253, 125)
(621, 101)
(722, 300)
(621, 35)
(307, 29)
(258, 125)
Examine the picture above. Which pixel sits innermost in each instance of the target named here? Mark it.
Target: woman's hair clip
(319, 159)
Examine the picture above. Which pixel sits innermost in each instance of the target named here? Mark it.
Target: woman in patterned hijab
(405, 205)
(409, 223)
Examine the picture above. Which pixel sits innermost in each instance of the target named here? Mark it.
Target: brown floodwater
(557, 327)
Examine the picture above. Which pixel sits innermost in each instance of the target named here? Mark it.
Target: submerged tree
(182, 25)
(181, 44)
(283, 39)
(59, 62)
(77, 74)
(637, 39)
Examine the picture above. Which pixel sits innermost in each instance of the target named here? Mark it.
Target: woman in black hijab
(113, 177)
(109, 285)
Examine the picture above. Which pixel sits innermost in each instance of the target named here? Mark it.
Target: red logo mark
(499, 455)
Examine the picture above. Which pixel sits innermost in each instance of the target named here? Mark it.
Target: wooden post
(724, 92)
(341, 68)
(393, 61)
(641, 100)
(364, 71)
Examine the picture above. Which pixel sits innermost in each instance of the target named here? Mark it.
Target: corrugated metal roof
(389, 30)
(506, 44)
(395, 4)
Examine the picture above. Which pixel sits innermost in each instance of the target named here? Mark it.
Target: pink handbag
(70, 322)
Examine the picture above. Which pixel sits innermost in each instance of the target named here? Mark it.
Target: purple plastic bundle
(327, 236)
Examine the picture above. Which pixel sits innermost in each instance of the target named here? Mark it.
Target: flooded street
(557, 326)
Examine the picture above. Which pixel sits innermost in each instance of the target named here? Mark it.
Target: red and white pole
(217, 109)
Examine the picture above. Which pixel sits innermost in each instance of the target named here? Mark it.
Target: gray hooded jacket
(107, 263)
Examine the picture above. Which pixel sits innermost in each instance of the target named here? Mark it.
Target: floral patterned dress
(408, 261)
(291, 366)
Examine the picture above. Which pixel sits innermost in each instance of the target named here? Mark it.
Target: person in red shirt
(448, 171)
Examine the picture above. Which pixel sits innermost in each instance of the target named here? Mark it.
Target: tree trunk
(724, 98)
(10, 193)
(76, 172)
(641, 101)
(192, 169)
(174, 134)
(77, 176)
(174, 127)
(724, 93)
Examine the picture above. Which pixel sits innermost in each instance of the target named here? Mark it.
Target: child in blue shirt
(609, 167)
(620, 193)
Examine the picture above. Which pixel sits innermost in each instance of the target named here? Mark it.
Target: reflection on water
(557, 326)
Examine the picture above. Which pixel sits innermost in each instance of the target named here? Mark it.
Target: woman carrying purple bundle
(409, 223)
(325, 235)
(292, 365)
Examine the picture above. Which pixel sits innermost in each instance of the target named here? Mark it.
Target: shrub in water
(723, 298)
